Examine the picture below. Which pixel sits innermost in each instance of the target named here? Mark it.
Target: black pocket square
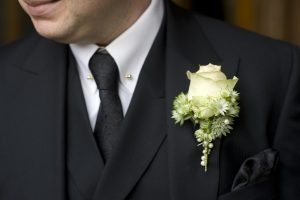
(256, 168)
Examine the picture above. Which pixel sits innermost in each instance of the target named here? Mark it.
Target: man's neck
(135, 9)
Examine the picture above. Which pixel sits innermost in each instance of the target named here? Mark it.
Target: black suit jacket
(155, 159)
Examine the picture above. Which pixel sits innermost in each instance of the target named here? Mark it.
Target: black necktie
(106, 75)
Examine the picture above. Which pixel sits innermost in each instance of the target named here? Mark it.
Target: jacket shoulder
(240, 41)
(18, 50)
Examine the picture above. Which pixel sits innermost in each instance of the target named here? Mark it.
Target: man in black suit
(50, 144)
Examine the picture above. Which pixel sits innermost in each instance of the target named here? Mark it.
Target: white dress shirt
(129, 51)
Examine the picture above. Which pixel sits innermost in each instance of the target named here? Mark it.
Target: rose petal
(209, 68)
(201, 86)
(228, 84)
(216, 76)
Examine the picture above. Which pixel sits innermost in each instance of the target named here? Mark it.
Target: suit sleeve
(287, 136)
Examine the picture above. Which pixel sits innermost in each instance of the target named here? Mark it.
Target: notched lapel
(142, 134)
(34, 122)
(143, 129)
(187, 48)
(45, 58)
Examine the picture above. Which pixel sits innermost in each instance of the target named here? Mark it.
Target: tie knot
(105, 71)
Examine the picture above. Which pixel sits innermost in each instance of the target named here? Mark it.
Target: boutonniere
(211, 104)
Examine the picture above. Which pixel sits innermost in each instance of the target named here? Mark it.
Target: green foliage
(213, 115)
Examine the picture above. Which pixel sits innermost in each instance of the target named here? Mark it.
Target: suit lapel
(37, 101)
(84, 161)
(143, 129)
(187, 47)
(41, 89)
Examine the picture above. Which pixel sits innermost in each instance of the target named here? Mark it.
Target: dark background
(275, 18)
(15, 23)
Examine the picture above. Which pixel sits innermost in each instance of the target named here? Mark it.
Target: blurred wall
(14, 23)
(275, 18)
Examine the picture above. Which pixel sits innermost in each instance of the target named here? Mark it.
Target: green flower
(211, 104)
(182, 109)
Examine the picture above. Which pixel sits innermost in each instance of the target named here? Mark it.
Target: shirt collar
(130, 49)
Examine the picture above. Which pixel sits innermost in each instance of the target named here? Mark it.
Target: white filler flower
(211, 103)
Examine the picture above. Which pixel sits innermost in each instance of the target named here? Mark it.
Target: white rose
(209, 81)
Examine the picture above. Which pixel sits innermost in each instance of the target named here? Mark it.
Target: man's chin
(58, 36)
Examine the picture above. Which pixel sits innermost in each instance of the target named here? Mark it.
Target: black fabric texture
(256, 168)
(110, 116)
